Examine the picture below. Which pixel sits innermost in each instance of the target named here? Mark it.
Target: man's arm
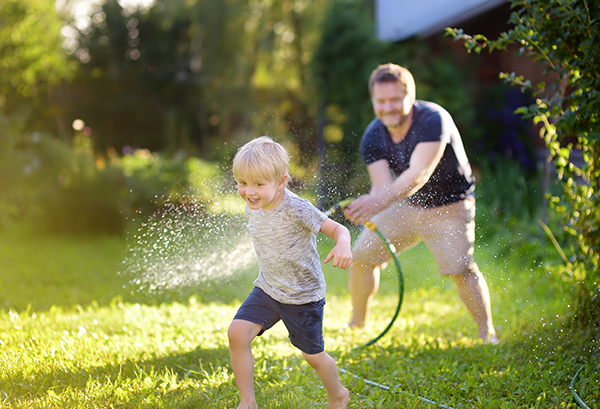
(384, 190)
(423, 162)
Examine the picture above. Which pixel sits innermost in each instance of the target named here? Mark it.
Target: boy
(290, 284)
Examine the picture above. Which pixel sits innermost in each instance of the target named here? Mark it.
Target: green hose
(576, 397)
(339, 207)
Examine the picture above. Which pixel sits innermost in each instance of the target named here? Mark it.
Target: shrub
(563, 35)
(59, 187)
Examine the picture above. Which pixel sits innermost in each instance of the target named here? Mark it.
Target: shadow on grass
(171, 378)
(532, 370)
(516, 373)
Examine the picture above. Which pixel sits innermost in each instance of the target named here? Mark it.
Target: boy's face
(261, 194)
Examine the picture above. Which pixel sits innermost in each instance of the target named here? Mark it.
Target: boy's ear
(283, 182)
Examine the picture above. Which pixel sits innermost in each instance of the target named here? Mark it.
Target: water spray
(339, 208)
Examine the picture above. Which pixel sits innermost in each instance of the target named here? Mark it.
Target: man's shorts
(304, 322)
(448, 231)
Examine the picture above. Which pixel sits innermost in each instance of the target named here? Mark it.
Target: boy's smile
(261, 194)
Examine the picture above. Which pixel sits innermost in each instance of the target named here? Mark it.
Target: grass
(77, 330)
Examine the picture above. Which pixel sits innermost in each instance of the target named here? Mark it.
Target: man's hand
(367, 206)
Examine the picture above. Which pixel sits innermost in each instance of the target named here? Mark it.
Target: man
(422, 189)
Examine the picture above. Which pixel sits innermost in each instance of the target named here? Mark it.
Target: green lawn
(78, 331)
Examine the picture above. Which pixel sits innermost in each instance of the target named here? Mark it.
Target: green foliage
(30, 47)
(59, 188)
(343, 60)
(187, 76)
(563, 35)
(65, 187)
(32, 61)
(508, 193)
(135, 85)
(154, 180)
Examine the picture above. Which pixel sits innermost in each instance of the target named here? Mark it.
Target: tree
(347, 52)
(563, 36)
(188, 75)
(31, 58)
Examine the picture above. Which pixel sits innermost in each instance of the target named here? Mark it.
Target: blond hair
(261, 158)
(393, 73)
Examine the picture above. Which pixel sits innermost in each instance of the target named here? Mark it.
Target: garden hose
(576, 397)
(338, 208)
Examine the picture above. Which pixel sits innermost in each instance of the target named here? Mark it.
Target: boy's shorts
(304, 322)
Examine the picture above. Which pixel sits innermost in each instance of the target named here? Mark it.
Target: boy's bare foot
(492, 339)
(341, 401)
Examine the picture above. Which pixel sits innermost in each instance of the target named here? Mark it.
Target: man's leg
(473, 291)
(449, 232)
(363, 283)
(396, 223)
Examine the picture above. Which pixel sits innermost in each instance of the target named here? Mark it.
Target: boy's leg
(241, 333)
(305, 325)
(326, 369)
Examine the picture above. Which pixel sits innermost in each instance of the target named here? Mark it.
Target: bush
(563, 37)
(58, 187)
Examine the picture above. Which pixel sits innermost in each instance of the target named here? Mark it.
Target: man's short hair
(393, 73)
(261, 158)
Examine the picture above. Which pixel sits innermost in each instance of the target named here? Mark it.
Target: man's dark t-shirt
(452, 179)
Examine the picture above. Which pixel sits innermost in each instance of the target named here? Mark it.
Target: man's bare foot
(349, 328)
(341, 401)
(244, 405)
(355, 325)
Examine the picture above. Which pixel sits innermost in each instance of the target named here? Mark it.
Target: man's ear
(283, 182)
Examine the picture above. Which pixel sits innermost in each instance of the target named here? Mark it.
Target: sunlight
(81, 10)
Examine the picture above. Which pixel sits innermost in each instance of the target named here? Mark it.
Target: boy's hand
(342, 252)
(341, 255)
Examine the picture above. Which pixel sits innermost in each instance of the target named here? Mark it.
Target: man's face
(391, 103)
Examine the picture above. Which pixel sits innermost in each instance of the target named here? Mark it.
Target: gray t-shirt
(286, 246)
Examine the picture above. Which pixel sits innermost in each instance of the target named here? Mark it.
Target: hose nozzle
(339, 207)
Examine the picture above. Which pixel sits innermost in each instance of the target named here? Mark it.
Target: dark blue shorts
(304, 322)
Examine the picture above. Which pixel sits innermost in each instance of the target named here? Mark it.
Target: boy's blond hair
(261, 158)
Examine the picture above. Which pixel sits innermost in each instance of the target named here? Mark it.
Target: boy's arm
(342, 252)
